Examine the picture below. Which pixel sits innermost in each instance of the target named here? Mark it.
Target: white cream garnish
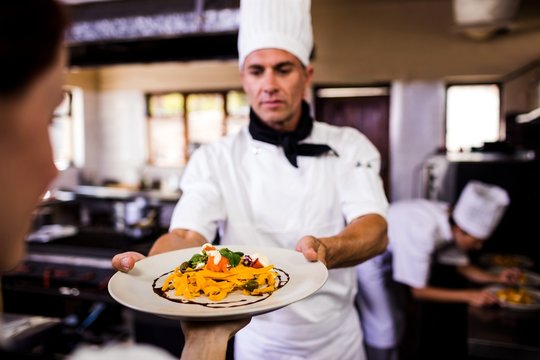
(206, 246)
(216, 255)
(211, 251)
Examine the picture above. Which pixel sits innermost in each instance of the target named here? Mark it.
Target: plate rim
(231, 313)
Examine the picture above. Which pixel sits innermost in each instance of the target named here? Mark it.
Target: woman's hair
(31, 32)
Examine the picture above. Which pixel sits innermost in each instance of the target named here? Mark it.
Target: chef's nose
(270, 83)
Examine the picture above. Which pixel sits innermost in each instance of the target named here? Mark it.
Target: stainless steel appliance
(444, 176)
(66, 273)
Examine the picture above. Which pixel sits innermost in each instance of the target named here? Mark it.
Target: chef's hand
(126, 261)
(312, 248)
(173, 240)
(481, 298)
(509, 276)
(207, 340)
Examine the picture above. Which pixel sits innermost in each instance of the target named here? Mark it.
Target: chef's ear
(309, 71)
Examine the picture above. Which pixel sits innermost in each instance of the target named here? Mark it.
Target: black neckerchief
(289, 140)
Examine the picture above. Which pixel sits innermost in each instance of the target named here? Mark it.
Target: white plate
(135, 289)
(521, 307)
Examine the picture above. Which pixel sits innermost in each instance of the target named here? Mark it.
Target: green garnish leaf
(196, 259)
(234, 257)
(184, 266)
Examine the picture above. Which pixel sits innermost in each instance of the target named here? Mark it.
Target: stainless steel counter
(112, 193)
(504, 334)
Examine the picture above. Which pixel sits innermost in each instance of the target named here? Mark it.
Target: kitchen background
(446, 89)
(411, 49)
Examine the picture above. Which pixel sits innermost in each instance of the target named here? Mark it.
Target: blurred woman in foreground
(32, 65)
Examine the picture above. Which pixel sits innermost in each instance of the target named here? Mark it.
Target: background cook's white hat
(480, 208)
(277, 24)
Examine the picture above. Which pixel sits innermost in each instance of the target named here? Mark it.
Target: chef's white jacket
(416, 228)
(248, 191)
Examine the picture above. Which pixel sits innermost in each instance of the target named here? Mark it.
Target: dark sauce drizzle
(282, 280)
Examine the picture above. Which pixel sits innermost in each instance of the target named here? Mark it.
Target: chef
(286, 181)
(427, 253)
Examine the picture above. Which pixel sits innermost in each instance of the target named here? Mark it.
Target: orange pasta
(212, 275)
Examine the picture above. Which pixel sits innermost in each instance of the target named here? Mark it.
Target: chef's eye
(284, 70)
(255, 71)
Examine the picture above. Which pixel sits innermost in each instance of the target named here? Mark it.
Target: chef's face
(26, 157)
(466, 241)
(275, 82)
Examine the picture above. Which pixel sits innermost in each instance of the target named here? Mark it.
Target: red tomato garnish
(257, 264)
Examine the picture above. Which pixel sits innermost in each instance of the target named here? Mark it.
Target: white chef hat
(480, 207)
(277, 24)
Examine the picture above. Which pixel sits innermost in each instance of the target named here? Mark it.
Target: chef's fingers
(515, 273)
(510, 275)
(306, 245)
(126, 261)
(488, 298)
(312, 249)
(481, 298)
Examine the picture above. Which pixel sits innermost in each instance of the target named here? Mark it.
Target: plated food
(139, 289)
(215, 273)
(517, 298)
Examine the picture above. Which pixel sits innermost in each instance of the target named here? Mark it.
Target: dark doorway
(364, 108)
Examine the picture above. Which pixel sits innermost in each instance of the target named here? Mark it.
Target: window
(180, 122)
(166, 129)
(237, 111)
(60, 131)
(67, 130)
(472, 116)
(206, 118)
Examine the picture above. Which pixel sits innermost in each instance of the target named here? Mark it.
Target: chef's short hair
(31, 32)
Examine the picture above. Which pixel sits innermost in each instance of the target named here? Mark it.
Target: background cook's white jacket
(249, 190)
(416, 228)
